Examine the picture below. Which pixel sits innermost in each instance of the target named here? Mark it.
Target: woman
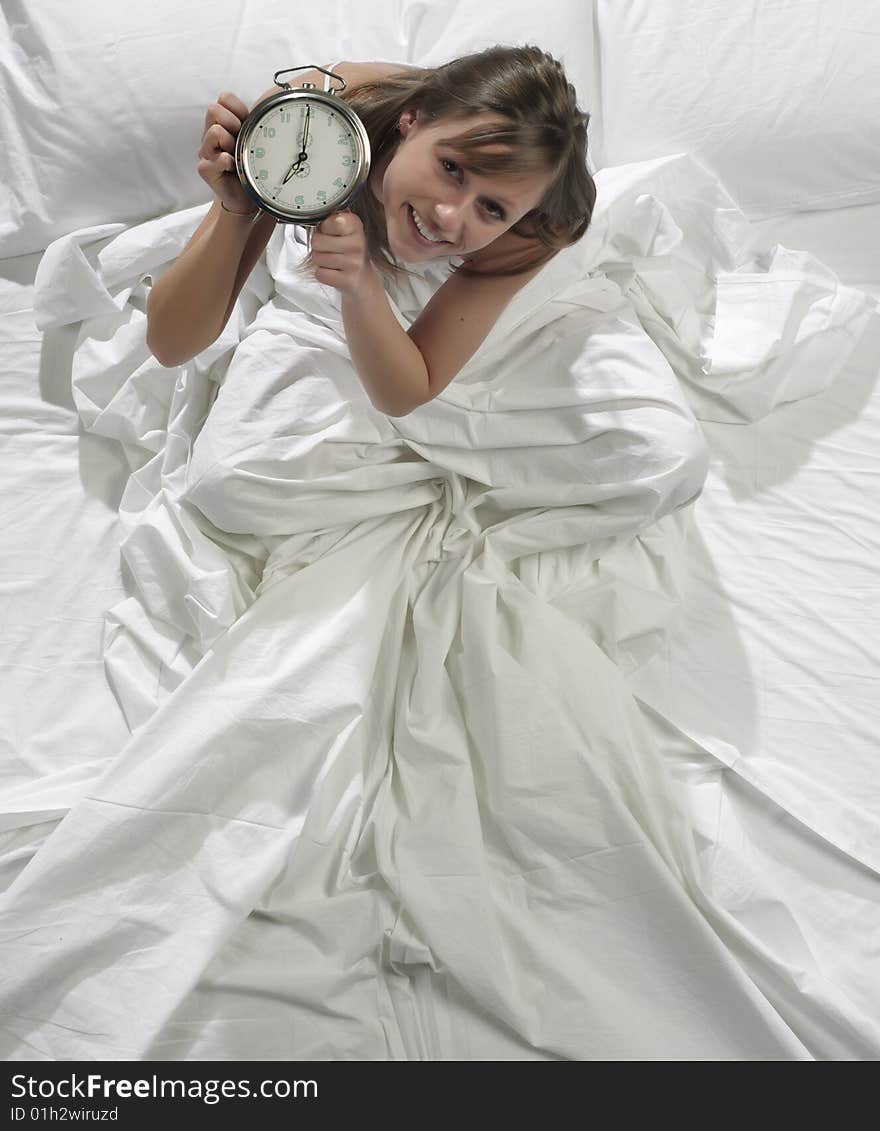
(483, 158)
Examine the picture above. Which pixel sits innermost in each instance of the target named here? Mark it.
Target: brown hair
(546, 132)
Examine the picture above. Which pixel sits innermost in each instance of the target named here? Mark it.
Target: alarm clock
(302, 153)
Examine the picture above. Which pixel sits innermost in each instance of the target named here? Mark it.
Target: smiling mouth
(423, 240)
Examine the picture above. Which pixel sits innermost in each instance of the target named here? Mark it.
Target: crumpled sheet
(388, 795)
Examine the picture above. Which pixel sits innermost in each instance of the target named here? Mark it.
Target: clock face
(303, 155)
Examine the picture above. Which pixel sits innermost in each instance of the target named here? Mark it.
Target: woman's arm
(190, 305)
(389, 365)
(456, 322)
(403, 369)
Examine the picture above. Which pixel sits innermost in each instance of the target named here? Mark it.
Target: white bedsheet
(386, 758)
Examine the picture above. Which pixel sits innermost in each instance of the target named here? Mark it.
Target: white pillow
(780, 100)
(104, 103)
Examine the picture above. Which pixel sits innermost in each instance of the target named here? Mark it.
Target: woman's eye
(494, 210)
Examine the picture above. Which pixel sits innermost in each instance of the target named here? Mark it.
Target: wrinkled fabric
(388, 794)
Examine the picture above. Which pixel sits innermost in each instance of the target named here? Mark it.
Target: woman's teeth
(423, 230)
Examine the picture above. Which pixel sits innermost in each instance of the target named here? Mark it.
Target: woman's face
(461, 210)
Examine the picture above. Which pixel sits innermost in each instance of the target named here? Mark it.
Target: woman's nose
(449, 215)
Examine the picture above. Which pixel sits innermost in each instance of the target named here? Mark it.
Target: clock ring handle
(308, 67)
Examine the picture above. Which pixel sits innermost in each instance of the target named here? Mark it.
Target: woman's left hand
(339, 253)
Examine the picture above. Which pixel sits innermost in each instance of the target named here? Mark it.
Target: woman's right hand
(217, 152)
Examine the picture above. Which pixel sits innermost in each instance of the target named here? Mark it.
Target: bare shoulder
(354, 74)
(357, 73)
(472, 300)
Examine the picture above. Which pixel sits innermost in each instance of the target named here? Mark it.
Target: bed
(535, 725)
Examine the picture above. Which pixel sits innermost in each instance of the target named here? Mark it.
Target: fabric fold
(375, 669)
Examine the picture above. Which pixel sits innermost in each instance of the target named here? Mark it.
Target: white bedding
(479, 733)
(389, 793)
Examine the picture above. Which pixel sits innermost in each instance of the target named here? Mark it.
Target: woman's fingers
(339, 224)
(234, 104)
(324, 242)
(218, 115)
(223, 121)
(215, 140)
(216, 152)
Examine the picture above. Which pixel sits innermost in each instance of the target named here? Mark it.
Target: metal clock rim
(252, 121)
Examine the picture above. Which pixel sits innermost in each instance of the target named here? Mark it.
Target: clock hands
(295, 167)
(329, 164)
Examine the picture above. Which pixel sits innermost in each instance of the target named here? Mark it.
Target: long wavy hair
(545, 132)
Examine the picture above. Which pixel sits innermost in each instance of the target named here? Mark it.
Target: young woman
(483, 159)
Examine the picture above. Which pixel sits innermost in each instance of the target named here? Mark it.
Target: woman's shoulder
(355, 74)
(372, 71)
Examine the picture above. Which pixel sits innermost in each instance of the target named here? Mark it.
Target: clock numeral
(322, 196)
(299, 202)
(263, 174)
(268, 131)
(339, 182)
(345, 161)
(344, 140)
(259, 151)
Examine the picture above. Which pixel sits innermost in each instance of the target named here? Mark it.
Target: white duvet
(388, 795)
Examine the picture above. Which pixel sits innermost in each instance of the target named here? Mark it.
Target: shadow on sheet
(384, 798)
